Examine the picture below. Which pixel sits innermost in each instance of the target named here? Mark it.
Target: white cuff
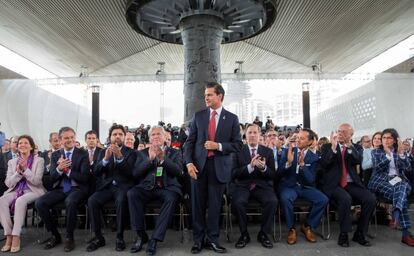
(250, 168)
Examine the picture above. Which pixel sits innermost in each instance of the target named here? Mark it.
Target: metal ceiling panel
(61, 36)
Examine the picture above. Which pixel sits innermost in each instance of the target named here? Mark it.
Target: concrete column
(202, 36)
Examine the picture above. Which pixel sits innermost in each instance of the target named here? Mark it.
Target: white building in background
(288, 109)
(28, 109)
(386, 102)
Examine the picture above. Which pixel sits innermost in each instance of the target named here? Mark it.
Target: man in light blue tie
(69, 171)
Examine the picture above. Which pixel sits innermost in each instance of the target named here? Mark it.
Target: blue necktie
(67, 184)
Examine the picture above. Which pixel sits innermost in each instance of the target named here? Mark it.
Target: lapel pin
(224, 117)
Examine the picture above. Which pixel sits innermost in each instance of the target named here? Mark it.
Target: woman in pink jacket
(24, 180)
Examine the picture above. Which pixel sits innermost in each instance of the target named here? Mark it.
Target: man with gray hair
(343, 186)
(158, 168)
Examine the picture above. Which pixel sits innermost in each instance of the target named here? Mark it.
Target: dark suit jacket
(332, 166)
(3, 173)
(7, 156)
(242, 177)
(79, 169)
(145, 170)
(227, 133)
(306, 175)
(95, 157)
(121, 172)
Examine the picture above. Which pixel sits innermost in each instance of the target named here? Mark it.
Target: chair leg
(280, 224)
(328, 236)
(181, 222)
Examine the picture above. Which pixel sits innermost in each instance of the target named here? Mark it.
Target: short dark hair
(394, 135)
(91, 132)
(116, 127)
(250, 125)
(218, 89)
(311, 134)
(51, 135)
(31, 142)
(65, 129)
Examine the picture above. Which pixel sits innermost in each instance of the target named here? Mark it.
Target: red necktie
(212, 130)
(344, 181)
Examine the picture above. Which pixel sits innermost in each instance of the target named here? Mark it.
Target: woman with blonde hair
(24, 182)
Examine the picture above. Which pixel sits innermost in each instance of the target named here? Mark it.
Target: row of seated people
(132, 179)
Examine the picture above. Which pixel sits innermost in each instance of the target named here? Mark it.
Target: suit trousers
(343, 199)
(318, 199)
(98, 200)
(138, 198)
(19, 211)
(72, 200)
(266, 197)
(397, 194)
(206, 191)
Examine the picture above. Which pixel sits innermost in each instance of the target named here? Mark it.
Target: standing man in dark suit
(253, 174)
(342, 184)
(3, 172)
(13, 152)
(214, 135)
(69, 171)
(54, 145)
(91, 139)
(114, 178)
(157, 169)
(298, 174)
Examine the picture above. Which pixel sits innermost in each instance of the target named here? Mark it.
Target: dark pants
(266, 197)
(137, 200)
(98, 200)
(206, 190)
(72, 201)
(343, 198)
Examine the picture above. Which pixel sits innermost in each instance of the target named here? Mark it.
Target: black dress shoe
(139, 243)
(52, 242)
(69, 245)
(360, 238)
(343, 240)
(197, 247)
(243, 241)
(95, 243)
(152, 247)
(120, 244)
(215, 247)
(264, 240)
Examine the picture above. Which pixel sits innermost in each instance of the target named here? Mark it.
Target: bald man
(343, 186)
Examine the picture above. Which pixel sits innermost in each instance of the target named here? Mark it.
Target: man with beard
(114, 178)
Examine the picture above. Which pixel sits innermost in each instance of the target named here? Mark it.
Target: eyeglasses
(271, 135)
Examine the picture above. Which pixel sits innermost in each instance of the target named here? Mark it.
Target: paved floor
(386, 243)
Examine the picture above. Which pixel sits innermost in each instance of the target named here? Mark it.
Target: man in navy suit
(298, 174)
(253, 174)
(157, 169)
(342, 184)
(69, 173)
(214, 135)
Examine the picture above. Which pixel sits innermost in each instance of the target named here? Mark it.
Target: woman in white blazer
(24, 182)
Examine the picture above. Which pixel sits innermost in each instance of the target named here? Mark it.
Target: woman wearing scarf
(24, 182)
